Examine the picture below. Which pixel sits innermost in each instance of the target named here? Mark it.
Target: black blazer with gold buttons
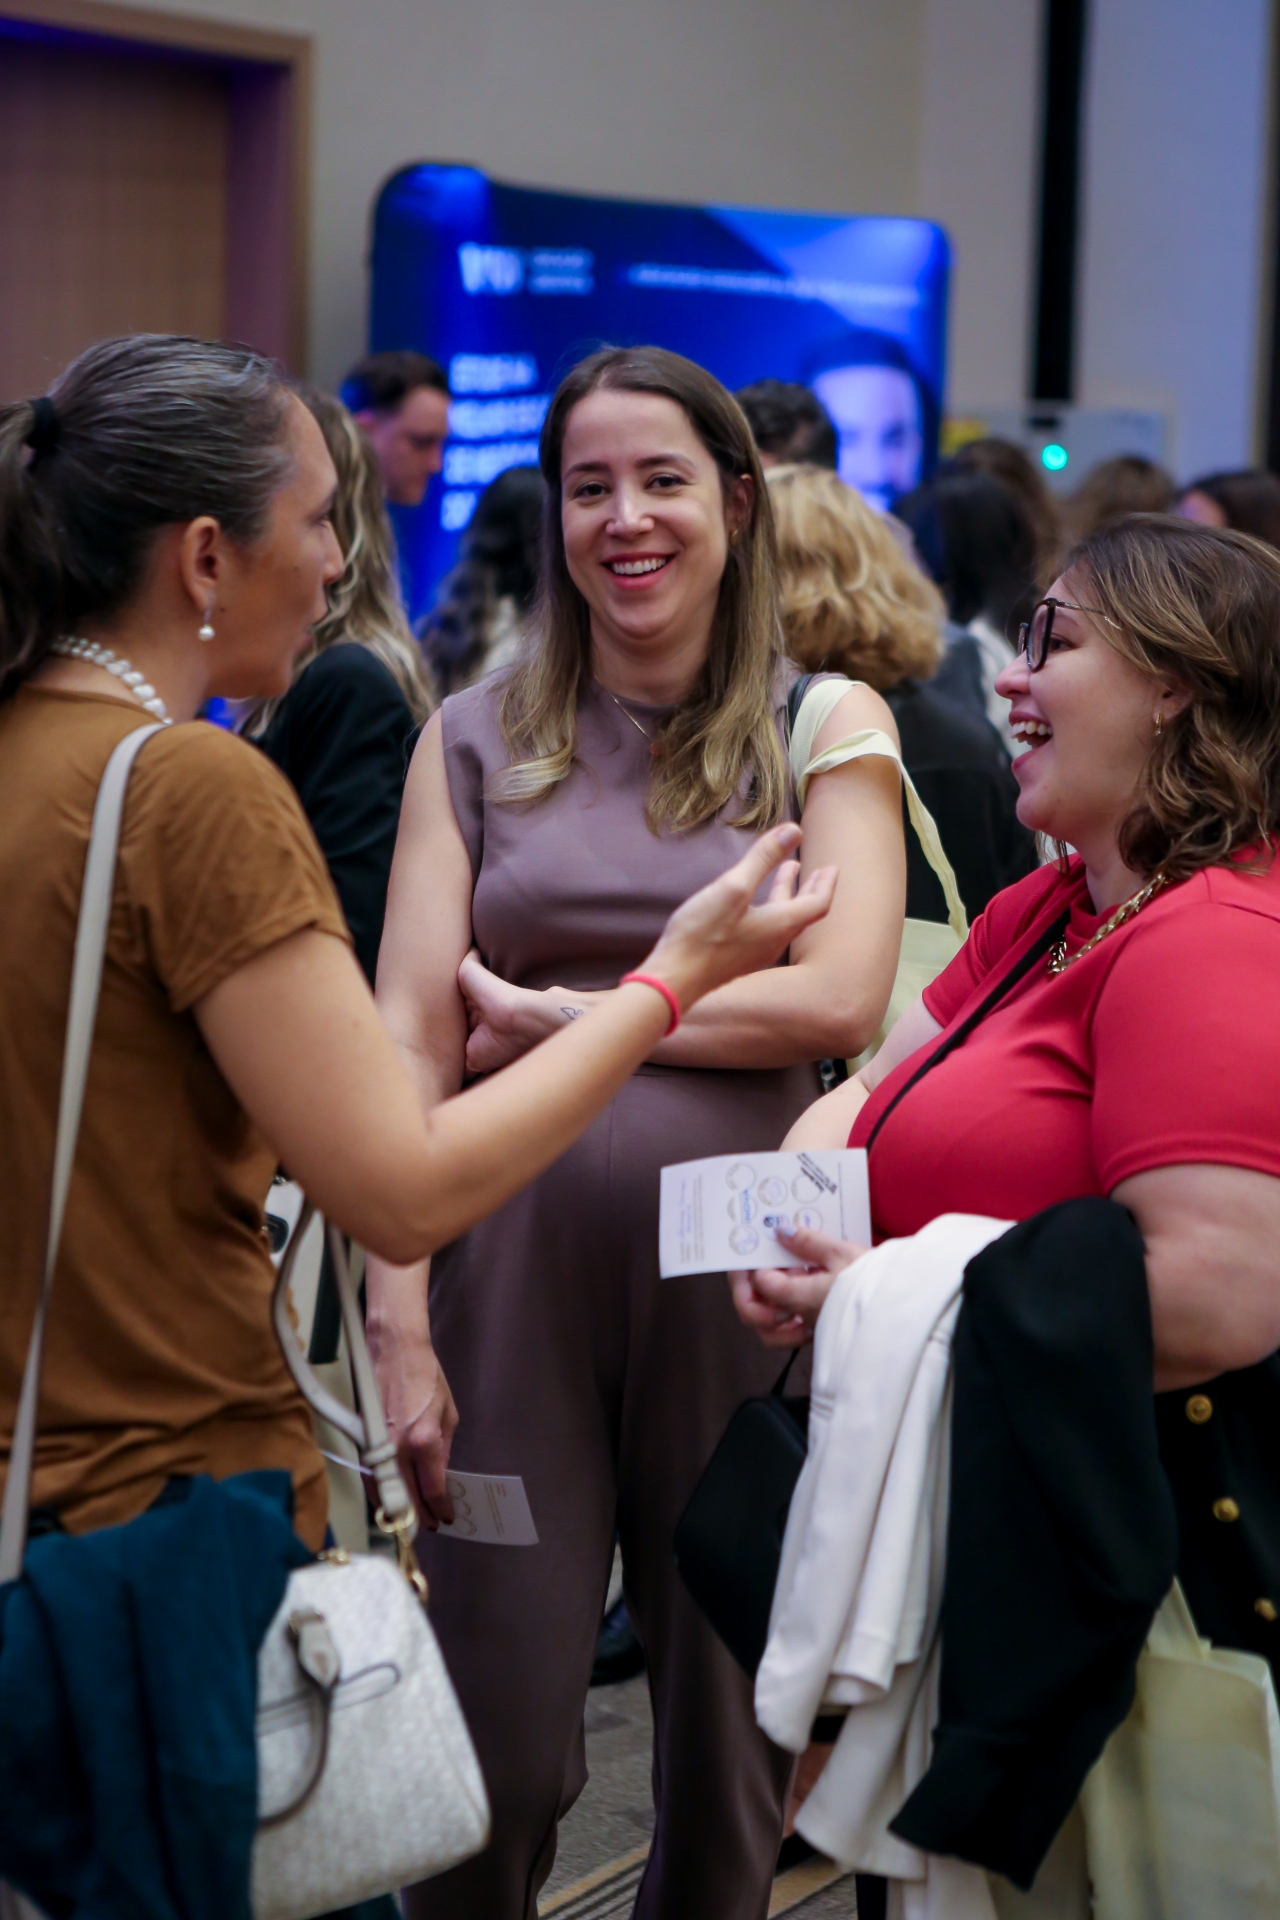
(1220, 1444)
(1076, 1494)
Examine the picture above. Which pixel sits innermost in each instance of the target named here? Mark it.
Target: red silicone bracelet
(659, 986)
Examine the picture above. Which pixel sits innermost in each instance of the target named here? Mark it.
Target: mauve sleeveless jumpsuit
(574, 1366)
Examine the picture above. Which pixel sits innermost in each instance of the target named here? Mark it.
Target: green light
(1054, 457)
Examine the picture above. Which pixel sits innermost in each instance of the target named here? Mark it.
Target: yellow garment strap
(815, 710)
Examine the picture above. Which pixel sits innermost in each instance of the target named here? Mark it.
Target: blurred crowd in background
(922, 603)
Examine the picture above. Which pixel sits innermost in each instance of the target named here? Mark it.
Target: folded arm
(830, 999)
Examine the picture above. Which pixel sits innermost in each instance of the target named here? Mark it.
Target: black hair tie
(42, 435)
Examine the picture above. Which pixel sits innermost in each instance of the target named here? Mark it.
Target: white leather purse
(367, 1778)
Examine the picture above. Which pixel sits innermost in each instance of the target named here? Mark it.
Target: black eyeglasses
(1035, 634)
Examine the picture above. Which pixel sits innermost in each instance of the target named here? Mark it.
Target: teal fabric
(128, 1687)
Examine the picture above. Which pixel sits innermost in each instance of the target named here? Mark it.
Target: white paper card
(720, 1213)
(490, 1508)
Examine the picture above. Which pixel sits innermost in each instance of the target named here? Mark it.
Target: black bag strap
(795, 700)
(1018, 971)
(776, 1390)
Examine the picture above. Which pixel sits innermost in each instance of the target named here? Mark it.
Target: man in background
(789, 424)
(402, 401)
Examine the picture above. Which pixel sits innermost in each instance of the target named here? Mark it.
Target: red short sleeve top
(1158, 1048)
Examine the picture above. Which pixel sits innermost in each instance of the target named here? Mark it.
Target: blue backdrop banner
(507, 287)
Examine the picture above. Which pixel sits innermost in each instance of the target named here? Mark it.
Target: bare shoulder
(861, 710)
(428, 755)
(427, 810)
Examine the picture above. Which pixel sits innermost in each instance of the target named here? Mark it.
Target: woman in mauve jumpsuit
(572, 1364)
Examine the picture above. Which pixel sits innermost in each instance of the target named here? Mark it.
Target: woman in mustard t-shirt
(165, 537)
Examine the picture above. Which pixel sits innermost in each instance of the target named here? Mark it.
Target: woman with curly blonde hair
(849, 589)
(854, 602)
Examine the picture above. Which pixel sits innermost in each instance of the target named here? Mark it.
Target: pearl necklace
(128, 676)
(1060, 959)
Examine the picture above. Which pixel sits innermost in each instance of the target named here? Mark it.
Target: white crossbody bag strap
(368, 1428)
(86, 980)
(815, 709)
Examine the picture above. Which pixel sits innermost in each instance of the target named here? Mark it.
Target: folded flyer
(490, 1508)
(721, 1212)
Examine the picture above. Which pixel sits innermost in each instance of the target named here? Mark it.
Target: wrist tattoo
(572, 1013)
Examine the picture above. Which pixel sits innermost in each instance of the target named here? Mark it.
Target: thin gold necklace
(648, 737)
(1060, 959)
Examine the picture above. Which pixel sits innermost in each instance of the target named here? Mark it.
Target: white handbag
(1182, 1811)
(367, 1777)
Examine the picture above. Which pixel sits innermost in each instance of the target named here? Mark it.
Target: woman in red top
(1140, 1058)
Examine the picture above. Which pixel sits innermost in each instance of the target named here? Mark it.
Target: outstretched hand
(719, 933)
(783, 1303)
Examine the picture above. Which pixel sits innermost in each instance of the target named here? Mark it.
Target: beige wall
(980, 176)
(1177, 229)
(881, 106)
(815, 103)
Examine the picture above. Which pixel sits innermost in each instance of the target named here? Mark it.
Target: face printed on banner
(877, 416)
(643, 512)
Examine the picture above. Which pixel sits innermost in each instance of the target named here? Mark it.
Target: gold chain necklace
(647, 737)
(1060, 959)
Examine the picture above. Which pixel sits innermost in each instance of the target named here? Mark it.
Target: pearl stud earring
(206, 631)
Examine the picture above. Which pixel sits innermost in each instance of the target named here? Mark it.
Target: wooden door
(113, 201)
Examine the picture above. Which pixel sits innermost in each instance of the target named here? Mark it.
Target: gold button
(1199, 1409)
(1266, 1608)
(1226, 1509)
